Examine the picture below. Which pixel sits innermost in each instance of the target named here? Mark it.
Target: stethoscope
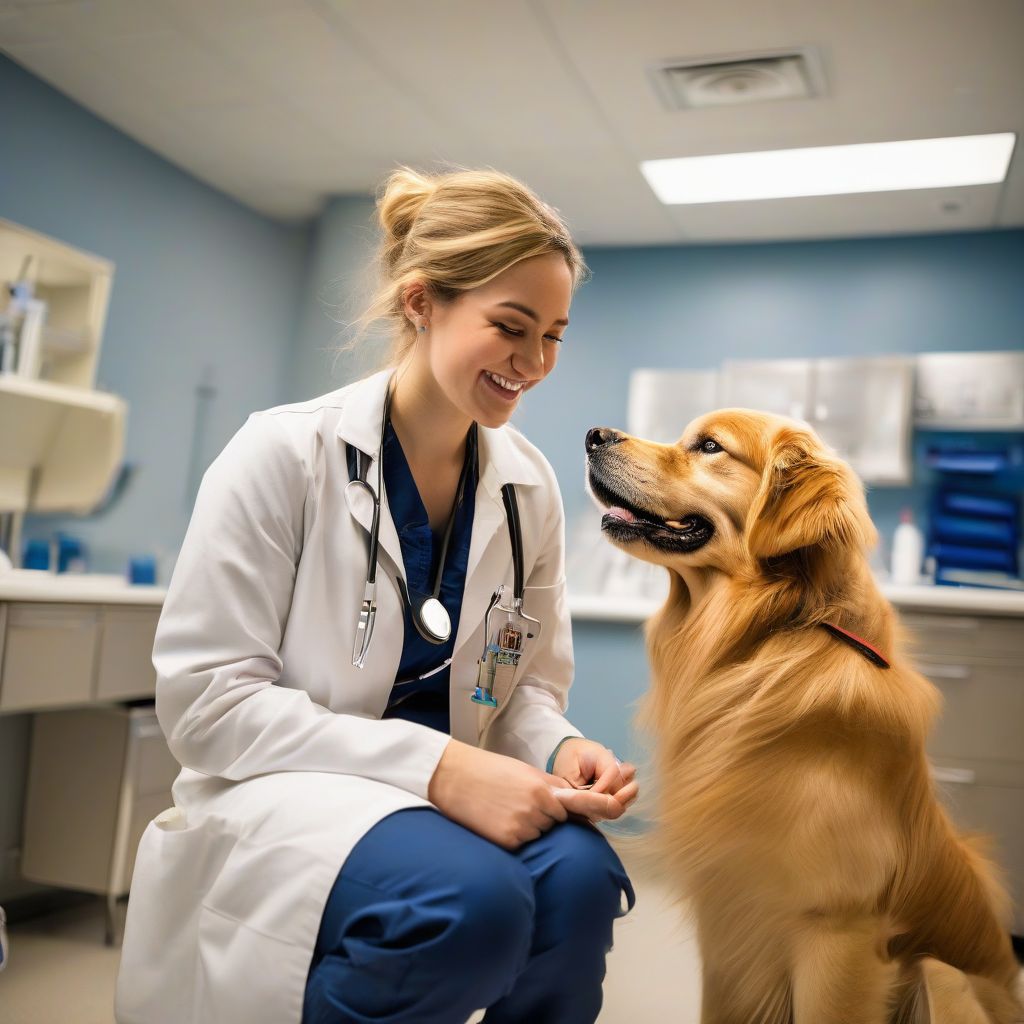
(429, 616)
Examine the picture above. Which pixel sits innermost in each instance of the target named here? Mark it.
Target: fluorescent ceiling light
(832, 170)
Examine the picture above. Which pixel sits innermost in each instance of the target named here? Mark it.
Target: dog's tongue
(622, 513)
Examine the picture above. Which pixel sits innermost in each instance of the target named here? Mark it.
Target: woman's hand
(583, 762)
(503, 799)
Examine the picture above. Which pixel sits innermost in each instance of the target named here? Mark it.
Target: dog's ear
(809, 501)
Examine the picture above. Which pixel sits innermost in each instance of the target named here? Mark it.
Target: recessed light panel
(832, 170)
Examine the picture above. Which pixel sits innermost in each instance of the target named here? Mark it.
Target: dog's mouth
(625, 521)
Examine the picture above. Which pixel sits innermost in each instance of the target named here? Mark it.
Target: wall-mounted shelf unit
(61, 442)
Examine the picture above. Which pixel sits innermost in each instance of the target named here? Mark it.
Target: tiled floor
(61, 973)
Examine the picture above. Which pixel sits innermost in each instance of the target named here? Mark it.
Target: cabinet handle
(935, 671)
(55, 624)
(951, 622)
(956, 776)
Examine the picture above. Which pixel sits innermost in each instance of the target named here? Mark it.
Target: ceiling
(283, 103)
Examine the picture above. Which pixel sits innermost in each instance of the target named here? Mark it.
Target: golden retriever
(796, 810)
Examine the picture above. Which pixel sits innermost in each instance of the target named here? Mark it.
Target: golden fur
(797, 814)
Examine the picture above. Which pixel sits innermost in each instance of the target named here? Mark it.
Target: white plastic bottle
(907, 550)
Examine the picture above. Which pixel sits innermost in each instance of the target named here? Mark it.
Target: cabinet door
(977, 805)
(663, 402)
(862, 408)
(49, 656)
(983, 709)
(970, 390)
(781, 386)
(126, 651)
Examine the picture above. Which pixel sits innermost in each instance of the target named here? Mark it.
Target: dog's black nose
(598, 437)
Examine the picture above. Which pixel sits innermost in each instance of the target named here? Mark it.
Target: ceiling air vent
(683, 85)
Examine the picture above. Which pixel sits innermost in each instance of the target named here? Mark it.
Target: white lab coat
(286, 763)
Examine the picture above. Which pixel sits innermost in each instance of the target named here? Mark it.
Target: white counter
(75, 588)
(969, 600)
(30, 585)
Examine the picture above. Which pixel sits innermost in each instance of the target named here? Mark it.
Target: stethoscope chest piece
(431, 619)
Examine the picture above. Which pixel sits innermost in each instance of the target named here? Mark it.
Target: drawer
(143, 811)
(983, 709)
(49, 656)
(125, 668)
(154, 768)
(964, 636)
(995, 811)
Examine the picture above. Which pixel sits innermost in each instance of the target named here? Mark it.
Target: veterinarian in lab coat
(343, 848)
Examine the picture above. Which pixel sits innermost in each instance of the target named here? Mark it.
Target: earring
(422, 328)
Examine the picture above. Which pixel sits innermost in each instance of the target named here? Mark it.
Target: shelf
(59, 445)
(46, 391)
(75, 287)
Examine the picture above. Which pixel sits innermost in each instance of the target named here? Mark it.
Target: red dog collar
(871, 653)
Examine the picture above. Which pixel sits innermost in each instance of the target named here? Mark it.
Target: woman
(369, 843)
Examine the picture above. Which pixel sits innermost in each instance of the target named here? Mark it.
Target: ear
(416, 302)
(809, 501)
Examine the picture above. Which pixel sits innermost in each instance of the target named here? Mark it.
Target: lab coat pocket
(176, 863)
(539, 604)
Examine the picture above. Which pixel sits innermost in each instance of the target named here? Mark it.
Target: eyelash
(518, 334)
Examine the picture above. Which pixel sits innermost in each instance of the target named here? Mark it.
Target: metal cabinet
(970, 390)
(663, 402)
(780, 386)
(861, 407)
(976, 750)
(97, 777)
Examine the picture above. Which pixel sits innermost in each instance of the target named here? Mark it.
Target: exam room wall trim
(202, 285)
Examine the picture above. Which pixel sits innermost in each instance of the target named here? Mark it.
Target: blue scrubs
(427, 921)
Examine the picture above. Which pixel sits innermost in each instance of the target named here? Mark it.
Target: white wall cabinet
(861, 407)
(663, 402)
(970, 390)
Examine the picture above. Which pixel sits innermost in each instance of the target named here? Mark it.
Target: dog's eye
(709, 446)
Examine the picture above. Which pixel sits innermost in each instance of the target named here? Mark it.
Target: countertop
(965, 600)
(75, 588)
(71, 588)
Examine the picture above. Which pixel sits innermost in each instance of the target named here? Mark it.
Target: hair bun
(399, 201)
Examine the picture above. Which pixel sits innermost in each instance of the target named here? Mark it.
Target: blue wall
(339, 281)
(204, 290)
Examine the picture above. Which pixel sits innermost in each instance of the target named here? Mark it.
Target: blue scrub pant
(428, 922)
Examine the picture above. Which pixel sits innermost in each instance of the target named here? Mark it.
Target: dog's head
(739, 490)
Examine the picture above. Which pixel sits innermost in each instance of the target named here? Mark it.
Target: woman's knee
(585, 879)
(493, 909)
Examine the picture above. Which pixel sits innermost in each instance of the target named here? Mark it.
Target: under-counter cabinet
(977, 745)
(62, 655)
(97, 777)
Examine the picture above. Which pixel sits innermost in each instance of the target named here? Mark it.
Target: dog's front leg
(840, 975)
(757, 994)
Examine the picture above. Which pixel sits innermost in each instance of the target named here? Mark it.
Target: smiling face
(695, 503)
(487, 347)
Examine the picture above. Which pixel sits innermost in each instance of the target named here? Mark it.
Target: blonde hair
(455, 231)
